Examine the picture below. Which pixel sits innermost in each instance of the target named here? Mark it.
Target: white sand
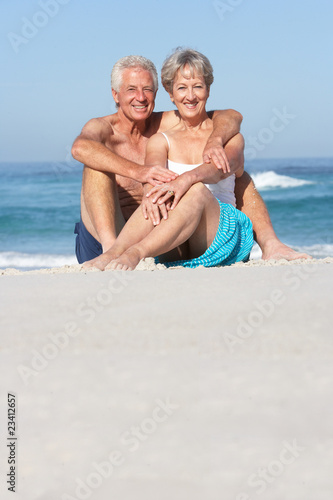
(149, 265)
(243, 354)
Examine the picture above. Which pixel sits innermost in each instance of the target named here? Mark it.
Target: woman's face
(189, 93)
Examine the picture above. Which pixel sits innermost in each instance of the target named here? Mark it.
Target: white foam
(255, 252)
(34, 261)
(318, 251)
(270, 179)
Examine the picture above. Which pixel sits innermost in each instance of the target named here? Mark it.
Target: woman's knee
(200, 197)
(199, 189)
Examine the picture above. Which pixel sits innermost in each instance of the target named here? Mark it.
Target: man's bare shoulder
(164, 120)
(99, 126)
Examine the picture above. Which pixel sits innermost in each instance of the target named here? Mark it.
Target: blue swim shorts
(233, 241)
(86, 246)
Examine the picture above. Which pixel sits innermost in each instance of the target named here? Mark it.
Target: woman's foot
(126, 262)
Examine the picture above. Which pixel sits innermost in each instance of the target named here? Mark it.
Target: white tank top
(223, 190)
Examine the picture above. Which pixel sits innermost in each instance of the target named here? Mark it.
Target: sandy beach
(166, 383)
(183, 384)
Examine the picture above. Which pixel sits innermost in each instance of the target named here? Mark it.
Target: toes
(121, 267)
(94, 264)
(297, 256)
(89, 266)
(112, 265)
(116, 265)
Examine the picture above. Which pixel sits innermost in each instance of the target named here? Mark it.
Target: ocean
(40, 203)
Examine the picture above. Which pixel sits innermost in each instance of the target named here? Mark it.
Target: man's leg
(251, 203)
(100, 209)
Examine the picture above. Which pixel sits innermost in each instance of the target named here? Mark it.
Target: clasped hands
(159, 200)
(164, 196)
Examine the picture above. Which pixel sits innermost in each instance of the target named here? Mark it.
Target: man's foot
(126, 262)
(277, 250)
(99, 262)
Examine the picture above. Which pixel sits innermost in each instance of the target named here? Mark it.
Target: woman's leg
(195, 219)
(135, 229)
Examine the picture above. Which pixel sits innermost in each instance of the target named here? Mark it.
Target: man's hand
(151, 210)
(214, 153)
(226, 124)
(171, 191)
(154, 175)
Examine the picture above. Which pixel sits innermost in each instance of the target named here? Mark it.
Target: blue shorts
(232, 243)
(86, 246)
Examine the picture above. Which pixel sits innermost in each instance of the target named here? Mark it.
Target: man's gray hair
(197, 62)
(132, 62)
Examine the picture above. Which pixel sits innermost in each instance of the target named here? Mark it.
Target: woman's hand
(151, 210)
(171, 192)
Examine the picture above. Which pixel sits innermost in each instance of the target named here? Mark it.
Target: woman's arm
(206, 173)
(234, 150)
(157, 151)
(156, 155)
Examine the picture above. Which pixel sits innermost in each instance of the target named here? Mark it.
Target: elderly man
(112, 149)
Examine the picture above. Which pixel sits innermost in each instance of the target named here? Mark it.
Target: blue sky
(272, 62)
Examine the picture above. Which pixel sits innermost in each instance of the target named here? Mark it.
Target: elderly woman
(200, 225)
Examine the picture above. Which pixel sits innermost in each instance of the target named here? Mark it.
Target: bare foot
(127, 261)
(99, 262)
(277, 251)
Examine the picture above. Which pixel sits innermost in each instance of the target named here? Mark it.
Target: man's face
(136, 97)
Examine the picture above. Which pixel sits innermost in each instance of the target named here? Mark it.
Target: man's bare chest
(130, 151)
(134, 152)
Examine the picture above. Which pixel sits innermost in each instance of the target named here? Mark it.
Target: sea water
(40, 203)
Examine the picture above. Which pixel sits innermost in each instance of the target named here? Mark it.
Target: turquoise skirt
(232, 243)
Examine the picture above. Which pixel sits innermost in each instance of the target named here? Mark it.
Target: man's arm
(89, 148)
(226, 124)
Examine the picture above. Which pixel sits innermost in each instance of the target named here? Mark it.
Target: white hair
(132, 62)
(180, 58)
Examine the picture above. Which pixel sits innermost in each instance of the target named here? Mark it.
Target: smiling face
(136, 96)
(190, 94)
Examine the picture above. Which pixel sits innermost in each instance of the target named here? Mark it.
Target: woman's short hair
(132, 62)
(197, 62)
